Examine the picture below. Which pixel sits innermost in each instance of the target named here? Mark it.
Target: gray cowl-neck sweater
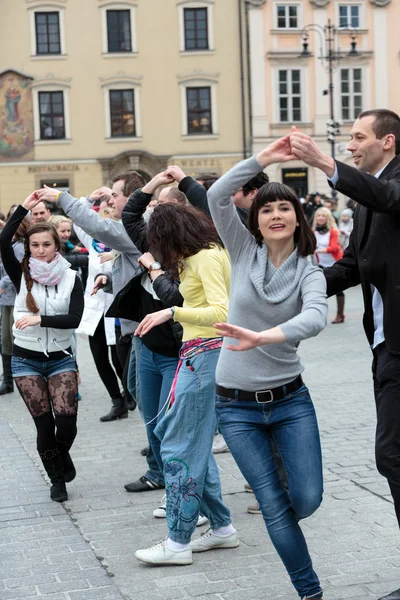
(292, 296)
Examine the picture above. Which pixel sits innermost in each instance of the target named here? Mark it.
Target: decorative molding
(319, 3)
(182, 2)
(46, 1)
(380, 3)
(256, 3)
(50, 80)
(113, 3)
(197, 74)
(120, 78)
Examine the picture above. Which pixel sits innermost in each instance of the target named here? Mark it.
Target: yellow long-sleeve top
(205, 282)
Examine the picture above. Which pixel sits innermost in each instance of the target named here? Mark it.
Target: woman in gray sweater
(277, 299)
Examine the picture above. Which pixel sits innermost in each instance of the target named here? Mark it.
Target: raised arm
(110, 232)
(11, 263)
(132, 215)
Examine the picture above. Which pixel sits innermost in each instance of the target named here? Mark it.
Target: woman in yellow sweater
(184, 236)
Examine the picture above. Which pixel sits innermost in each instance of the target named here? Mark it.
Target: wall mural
(16, 117)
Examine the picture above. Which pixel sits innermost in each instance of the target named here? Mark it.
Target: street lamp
(328, 56)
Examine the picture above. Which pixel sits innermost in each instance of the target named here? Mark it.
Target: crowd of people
(197, 295)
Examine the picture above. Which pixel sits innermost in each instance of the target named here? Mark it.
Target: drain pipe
(242, 79)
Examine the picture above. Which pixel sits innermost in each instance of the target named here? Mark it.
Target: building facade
(290, 82)
(90, 88)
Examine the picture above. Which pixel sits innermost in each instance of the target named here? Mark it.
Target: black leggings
(53, 405)
(124, 343)
(98, 346)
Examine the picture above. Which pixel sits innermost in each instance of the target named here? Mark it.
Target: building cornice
(381, 3)
(198, 74)
(121, 77)
(51, 79)
(16, 72)
(256, 3)
(319, 3)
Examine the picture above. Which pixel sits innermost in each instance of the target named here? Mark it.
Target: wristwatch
(155, 266)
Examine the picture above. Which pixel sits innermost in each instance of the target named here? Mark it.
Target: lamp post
(328, 56)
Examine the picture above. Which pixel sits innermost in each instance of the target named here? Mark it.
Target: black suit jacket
(373, 254)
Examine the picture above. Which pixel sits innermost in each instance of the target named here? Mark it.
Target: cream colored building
(90, 88)
(289, 89)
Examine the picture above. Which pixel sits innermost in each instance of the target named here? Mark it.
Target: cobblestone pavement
(83, 550)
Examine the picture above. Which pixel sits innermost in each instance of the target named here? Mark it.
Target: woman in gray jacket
(277, 299)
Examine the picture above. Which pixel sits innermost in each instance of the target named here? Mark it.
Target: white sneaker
(210, 541)
(160, 554)
(219, 445)
(161, 512)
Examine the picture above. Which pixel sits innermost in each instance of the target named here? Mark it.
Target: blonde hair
(330, 219)
(56, 220)
(106, 213)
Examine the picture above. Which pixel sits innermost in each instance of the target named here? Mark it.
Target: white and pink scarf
(48, 273)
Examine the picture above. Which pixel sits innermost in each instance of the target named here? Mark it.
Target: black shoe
(55, 470)
(145, 451)
(143, 485)
(132, 404)
(7, 387)
(58, 492)
(393, 596)
(119, 410)
(69, 467)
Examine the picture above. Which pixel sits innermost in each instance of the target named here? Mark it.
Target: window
(289, 91)
(51, 115)
(47, 26)
(350, 93)
(287, 16)
(349, 15)
(122, 113)
(60, 184)
(196, 28)
(198, 100)
(119, 31)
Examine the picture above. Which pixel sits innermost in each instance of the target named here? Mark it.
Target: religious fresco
(16, 117)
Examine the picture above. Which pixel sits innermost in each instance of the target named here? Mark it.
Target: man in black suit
(372, 259)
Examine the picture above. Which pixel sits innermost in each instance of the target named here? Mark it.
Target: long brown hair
(19, 235)
(176, 232)
(35, 228)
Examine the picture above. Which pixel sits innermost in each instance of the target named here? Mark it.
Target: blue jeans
(186, 432)
(133, 370)
(248, 428)
(156, 374)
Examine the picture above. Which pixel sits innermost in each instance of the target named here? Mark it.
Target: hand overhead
(31, 201)
(48, 194)
(175, 172)
(304, 147)
(277, 152)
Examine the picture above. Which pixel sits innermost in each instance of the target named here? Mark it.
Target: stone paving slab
(83, 549)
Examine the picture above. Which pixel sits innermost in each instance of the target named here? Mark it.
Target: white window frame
(188, 83)
(131, 6)
(32, 25)
(299, 16)
(349, 5)
(107, 108)
(209, 5)
(350, 94)
(50, 87)
(290, 106)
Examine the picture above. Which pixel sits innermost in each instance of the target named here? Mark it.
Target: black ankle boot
(69, 467)
(54, 466)
(8, 384)
(119, 410)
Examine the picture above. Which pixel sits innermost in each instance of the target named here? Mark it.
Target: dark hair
(176, 232)
(255, 183)
(35, 228)
(175, 194)
(271, 192)
(23, 227)
(386, 122)
(207, 183)
(10, 211)
(132, 181)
